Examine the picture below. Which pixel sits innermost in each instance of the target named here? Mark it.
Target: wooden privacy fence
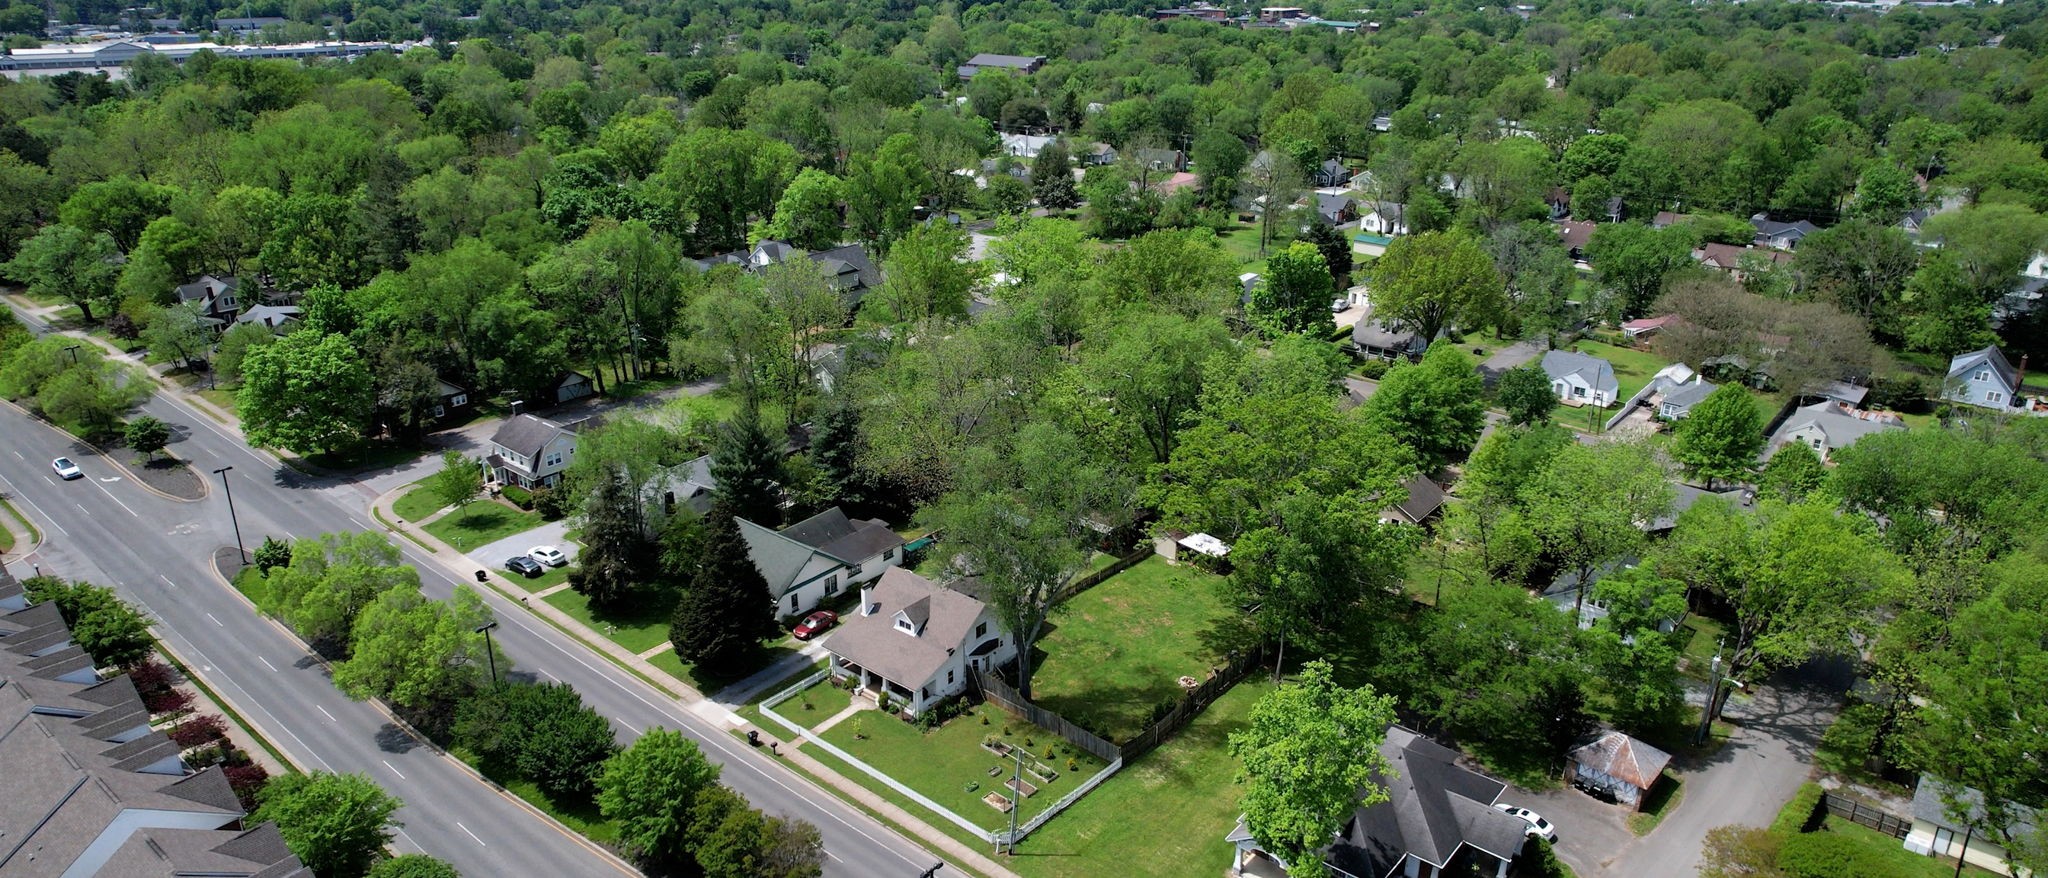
(1856, 811)
(1192, 704)
(999, 692)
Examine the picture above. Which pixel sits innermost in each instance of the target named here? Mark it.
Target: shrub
(272, 554)
(1827, 855)
(167, 701)
(1028, 742)
(519, 496)
(151, 678)
(1374, 368)
(550, 503)
(1798, 815)
(984, 719)
(1073, 764)
(123, 327)
(198, 730)
(247, 780)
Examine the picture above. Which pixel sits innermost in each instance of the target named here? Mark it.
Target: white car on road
(1538, 827)
(66, 470)
(548, 555)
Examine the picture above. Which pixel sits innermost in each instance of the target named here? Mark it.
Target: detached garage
(1618, 764)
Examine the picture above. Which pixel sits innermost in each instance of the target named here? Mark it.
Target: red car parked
(815, 624)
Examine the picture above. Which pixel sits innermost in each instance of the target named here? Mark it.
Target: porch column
(1502, 871)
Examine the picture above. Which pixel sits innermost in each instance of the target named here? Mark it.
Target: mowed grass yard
(1188, 787)
(480, 524)
(1119, 649)
(949, 765)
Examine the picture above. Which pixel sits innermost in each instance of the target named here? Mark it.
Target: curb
(423, 740)
(15, 517)
(239, 714)
(205, 491)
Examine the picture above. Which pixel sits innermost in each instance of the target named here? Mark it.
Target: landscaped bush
(151, 678)
(1799, 814)
(550, 503)
(272, 554)
(1374, 368)
(198, 730)
(247, 779)
(167, 701)
(1826, 855)
(519, 496)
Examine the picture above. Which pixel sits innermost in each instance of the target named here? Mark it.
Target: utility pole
(489, 653)
(1713, 696)
(230, 490)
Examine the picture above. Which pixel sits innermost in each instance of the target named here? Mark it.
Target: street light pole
(73, 351)
(229, 488)
(489, 653)
(1707, 712)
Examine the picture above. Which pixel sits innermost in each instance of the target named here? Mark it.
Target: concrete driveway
(554, 533)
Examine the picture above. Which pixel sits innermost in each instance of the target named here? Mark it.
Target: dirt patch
(165, 473)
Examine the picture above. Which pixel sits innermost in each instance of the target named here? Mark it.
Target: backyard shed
(1619, 764)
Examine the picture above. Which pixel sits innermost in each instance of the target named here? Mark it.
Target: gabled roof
(1423, 498)
(987, 59)
(1686, 396)
(1623, 758)
(527, 434)
(1434, 807)
(1331, 205)
(205, 287)
(1927, 805)
(1840, 425)
(272, 316)
(1575, 234)
(1593, 371)
(1377, 334)
(1992, 357)
(782, 555)
(872, 640)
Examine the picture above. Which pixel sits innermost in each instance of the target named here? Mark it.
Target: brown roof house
(1438, 819)
(91, 789)
(916, 641)
(1423, 499)
(1617, 764)
(816, 558)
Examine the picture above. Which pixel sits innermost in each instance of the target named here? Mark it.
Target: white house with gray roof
(1935, 832)
(1438, 819)
(916, 641)
(820, 557)
(1982, 378)
(1581, 379)
(1829, 426)
(531, 451)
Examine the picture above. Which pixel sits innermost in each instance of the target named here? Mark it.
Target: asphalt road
(106, 529)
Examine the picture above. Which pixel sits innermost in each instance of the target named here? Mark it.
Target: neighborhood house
(531, 451)
(1936, 834)
(814, 559)
(915, 641)
(1580, 379)
(1439, 819)
(1830, 426)
(1982, 378)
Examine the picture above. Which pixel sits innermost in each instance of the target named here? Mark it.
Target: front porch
(873, 687)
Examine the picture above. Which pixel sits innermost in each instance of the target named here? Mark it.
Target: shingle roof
(1434, 806)
(1624, 758)
(1927, 805)
(1841, 428)
(205, 287)
(1990, 356)
(527, 434)
(1594, 371)
(873, 641)
(1376, 334)
(1424, 498)
(1689, 395)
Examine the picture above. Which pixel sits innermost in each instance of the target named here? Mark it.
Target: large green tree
(1295, 294)
(747, 464)
(69, 263)
(416, 653)
(1311, 755)
(108, 628)
(337, 824)
(1721, 436)
(723, 178)
(1435, 407)
(649, 789)
(617, 562)
(330, 581)
(726, 608)
(1436, 279)
(1525, 392)
(1591, 502)
(1633, 260)
(307, 392)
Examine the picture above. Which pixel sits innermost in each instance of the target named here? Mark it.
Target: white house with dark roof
(819, 557)
(916, 641)
(1015, 64)
(1829, 426)
(1581, 379)
(1982, 378)
(1936, 834)
(91, 789)
(531, 451)
(1779, 235)
(214, 296)
(1438, 817)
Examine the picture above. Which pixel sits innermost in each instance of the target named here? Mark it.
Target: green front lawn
(482, 523)
(224, 399)
(364, 457)
(1118, 650)
(1188, 786)
(581, 816)
(949, 765)
(1632, 368)
(1876, 847)
(416, 504)
(1703, 640)
(638, 629)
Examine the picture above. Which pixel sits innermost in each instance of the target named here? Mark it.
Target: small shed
(572, 386)
(1618, 764)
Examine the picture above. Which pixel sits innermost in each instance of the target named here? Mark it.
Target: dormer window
(906, 626)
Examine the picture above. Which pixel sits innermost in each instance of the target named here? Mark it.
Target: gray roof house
(1332, 173)
(215, 296)
(531, 451)
(1375, 338)
(1622, 765)
(1337, 210)
(818, 557)
(1016, 64)
(1829, 426)
(1438, 813)
(1780, 236)
(1423, 498)
(1160, 159)
(1935, 833)
(1581, 379)
(1678, 402)
(849, 268)
(1982, 378)
(272, 317)
(91, 788)
(916, 641)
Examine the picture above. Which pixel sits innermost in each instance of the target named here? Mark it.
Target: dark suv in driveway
(524, 566)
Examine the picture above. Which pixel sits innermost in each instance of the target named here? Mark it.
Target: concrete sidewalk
(688, 696)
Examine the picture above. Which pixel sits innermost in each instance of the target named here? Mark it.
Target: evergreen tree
(726, 609)
(1336, 251)
(1052, 178)
(617, 552)
(747, 464)
(833, 449)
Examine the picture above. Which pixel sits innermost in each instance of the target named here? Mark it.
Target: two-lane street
(107, 529)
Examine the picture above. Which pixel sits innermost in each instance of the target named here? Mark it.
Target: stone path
(658, 649)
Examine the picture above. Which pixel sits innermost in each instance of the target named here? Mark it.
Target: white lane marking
(110, 496)
(17, 455)
(15, 494)
(408, 840)
(81, 508)
(835, 857)
(267, 664)
(472, 835)
(193, 649)
(358, 523)
(50, 480)
(323, 712)
(216, 619)
(387, 764)
(167, 580)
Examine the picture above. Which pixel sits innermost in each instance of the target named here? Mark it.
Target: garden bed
(951, 764)
(163, 472)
